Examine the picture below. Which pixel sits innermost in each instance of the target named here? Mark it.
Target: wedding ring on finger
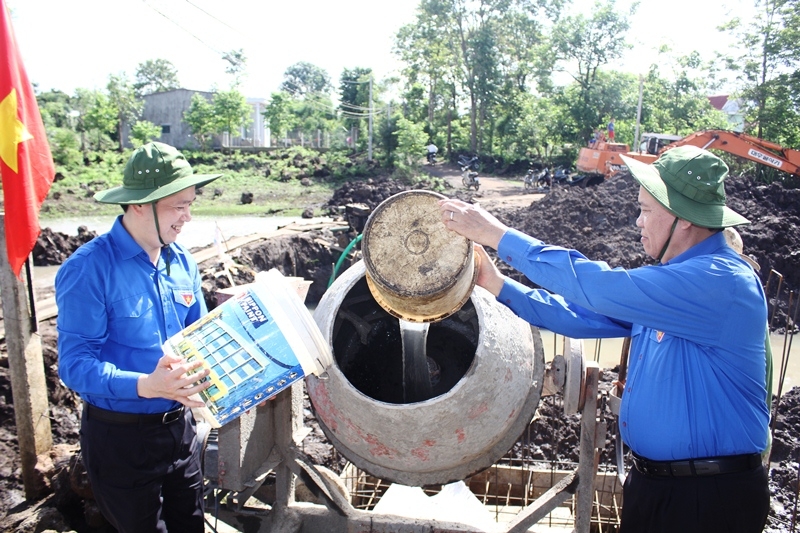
(451, 215)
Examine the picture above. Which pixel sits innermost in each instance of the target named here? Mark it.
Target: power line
(181, 27)
(213, 17)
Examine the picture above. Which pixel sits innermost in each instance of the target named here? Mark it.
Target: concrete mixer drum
(482, 371)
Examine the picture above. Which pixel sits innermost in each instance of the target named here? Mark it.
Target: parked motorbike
(562, 175)
(466, 161)
(469, 177)
(537, 179)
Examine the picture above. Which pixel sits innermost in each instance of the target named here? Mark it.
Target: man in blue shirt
(694, 409)
(120, 296)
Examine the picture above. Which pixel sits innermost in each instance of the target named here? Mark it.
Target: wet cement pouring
(599, 221)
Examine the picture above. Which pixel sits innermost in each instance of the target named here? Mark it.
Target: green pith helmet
(154, 171)
(689, 182)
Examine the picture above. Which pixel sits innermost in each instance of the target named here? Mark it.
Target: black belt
(130, 419)
(708, 466)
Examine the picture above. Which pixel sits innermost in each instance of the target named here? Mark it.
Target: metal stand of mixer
(279, 429)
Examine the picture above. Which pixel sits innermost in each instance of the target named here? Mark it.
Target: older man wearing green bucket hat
(694, 410)
(120, 296)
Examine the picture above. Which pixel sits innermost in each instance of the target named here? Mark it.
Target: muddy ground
(599, 221)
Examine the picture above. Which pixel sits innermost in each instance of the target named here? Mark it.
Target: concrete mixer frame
(279, 427)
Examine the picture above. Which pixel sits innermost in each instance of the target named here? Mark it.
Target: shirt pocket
(134, 322)
(183, 299)
(664, 354)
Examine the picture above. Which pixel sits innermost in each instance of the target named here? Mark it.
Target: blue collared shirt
(696, 377)
(115, 310)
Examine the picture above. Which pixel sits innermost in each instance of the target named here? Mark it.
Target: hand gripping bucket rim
(416, 268)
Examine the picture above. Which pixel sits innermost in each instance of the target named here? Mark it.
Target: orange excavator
(603, 160)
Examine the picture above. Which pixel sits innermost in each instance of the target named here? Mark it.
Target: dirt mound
(53, 247)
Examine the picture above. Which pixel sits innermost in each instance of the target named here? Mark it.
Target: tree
(155, 75)
(279, 115)
(304, 79)
(430, 76)
(54, 106)
(354, 96)
(481, 45)
(411, 142)
(675, 93)
(237, 65)
(81, 102)
(767, 67)
(123, 99)
(201, 120)
(580, 47)
(231, 110)
(64, 146)
(143, 132)
(100, 117)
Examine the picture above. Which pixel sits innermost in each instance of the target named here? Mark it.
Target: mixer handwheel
(574, 394)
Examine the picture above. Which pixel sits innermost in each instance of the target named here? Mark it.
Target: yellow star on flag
(12, 130)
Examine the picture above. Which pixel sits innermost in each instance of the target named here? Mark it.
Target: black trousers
(145, 477)
(724, 503)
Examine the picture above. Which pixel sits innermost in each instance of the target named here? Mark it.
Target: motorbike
(562, 176)
(469, 177)
(537, 180)
(465, 161)
(431, 158)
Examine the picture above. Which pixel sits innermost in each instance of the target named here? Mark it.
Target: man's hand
(174, 379)
(472, 222)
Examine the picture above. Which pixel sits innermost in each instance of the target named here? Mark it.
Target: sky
(69, 44)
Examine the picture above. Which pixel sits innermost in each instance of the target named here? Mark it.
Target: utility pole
(26, 367)
(369, 152)
(638, 116)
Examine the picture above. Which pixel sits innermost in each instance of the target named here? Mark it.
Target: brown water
(200, 231)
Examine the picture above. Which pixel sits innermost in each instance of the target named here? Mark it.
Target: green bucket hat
(689, 182)
(154, 171)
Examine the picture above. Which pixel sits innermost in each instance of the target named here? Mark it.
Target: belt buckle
(707, 467)
(641, 466)
(171, 416)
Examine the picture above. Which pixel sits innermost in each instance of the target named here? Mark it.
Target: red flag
(26, 165)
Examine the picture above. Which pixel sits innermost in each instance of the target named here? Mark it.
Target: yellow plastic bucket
(416, 268)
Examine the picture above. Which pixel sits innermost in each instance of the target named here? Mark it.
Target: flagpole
(26, 368)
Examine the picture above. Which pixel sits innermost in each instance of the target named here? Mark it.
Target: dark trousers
(724, 503)
(145, 477)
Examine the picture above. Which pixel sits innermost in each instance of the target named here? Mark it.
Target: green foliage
(279, 115)
(99, 120)
(65, 147)
(200, 118)
(478, 78)
(54, 106)
(472, 55)
(231, 111)
(305, 79)
(766, 67)
(104, 170)
(155, 75)
(411, 143)
(237, 66)
(124, 101)
(677, 103)
(354, 97)
(143, 132)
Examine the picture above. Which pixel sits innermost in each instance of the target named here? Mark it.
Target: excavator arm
(746, 146)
